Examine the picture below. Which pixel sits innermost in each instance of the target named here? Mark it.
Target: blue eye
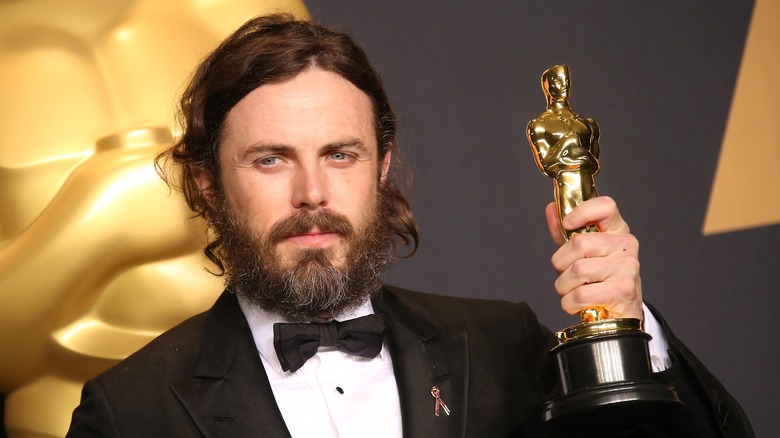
(269, 161)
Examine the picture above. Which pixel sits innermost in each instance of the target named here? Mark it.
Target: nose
(311, 188)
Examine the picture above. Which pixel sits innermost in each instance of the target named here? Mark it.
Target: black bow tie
(296, 343)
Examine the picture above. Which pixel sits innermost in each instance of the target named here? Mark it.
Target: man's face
(298, 207)
(301, 146)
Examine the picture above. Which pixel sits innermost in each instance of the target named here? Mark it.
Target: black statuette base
(608, 377)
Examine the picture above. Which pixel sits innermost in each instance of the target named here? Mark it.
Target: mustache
(301, 222)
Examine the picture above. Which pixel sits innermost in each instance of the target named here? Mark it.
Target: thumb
(554, 223)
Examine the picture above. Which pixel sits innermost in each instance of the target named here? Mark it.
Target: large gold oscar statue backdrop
(97, 257)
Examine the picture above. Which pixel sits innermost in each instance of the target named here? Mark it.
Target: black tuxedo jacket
(489, 359)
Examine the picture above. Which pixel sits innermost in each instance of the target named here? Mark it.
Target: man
(287, 152)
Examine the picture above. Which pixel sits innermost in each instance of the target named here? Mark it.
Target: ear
(385, 167)
(205, 181)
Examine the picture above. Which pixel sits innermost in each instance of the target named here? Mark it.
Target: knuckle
(631, 240)
(579, 242)
(625, 291)
(554, 261)
(569, 305)
(565, 306)
(628, 243)
(580, 268)
(579, 298)
(608, 201)
(559, 287)
(634, 265)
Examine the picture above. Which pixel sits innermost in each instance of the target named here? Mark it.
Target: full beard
(312, 288)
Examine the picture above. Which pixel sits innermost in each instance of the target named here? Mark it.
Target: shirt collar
(261, 322)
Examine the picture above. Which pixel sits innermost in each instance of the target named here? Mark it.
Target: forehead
(557, 74)
(314, 106)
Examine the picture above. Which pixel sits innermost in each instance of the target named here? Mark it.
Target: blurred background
(685, 94)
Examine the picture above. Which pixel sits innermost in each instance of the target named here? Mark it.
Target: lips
(312, 232)
(313, 238)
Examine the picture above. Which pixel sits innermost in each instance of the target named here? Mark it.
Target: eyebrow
(277, 148)
(264, 148)
(347, 143)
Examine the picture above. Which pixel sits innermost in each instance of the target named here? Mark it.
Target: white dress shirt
(658, 346)
(335, 394)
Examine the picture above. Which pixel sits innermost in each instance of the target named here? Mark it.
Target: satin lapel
(229, 394)
(425, 356)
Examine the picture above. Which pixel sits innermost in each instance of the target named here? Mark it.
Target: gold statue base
(604, 371)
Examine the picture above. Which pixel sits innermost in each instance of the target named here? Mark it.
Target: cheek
(258, 204)
(365, 209)
(358, 195)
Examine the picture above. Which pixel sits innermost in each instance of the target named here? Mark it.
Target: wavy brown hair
(265, 50)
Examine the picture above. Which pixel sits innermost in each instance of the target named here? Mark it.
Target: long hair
(265, 50)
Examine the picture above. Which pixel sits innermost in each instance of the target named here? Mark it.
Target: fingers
(597, 269)
(601, 211)
(608, 276)
(593, 296)
(592, 245)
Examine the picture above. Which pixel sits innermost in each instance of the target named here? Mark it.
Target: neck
(558, 104)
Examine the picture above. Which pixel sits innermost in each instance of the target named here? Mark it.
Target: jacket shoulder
(448, 310)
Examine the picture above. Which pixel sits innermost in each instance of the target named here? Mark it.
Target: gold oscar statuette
(603, 363)
(97, 255)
